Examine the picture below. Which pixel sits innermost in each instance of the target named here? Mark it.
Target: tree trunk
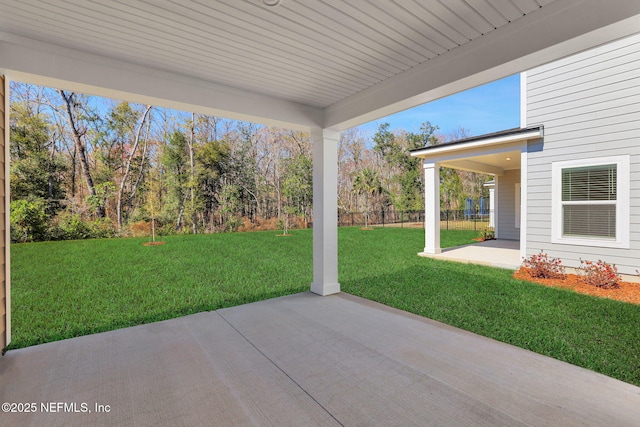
(80, 148)
(127, 168)
(50, 181)
(181, 213)
(136, 184)
(192, 164)
(366, 211)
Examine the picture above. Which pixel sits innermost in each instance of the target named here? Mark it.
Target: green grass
(66, 289)
(598, 334)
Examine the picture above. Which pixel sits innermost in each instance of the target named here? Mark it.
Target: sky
(488, 108)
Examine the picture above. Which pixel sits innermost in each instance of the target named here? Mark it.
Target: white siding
(589, 104)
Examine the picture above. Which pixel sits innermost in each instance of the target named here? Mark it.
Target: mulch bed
(627, 291)
(154, 243)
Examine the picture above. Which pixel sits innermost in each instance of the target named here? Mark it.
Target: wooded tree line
(85, 166)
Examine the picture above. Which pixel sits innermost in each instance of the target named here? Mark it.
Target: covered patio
(304, 360)
(322, 67)
(502, 155)
(500, 253)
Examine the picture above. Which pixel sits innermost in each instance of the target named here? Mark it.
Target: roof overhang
(491, 154)
(289, 66)
(45, 64)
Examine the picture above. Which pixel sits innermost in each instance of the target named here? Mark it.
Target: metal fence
(380, 218)
(449, 219)
(465, 220)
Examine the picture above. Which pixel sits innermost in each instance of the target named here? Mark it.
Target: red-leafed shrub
(600, 274)
(541, 266)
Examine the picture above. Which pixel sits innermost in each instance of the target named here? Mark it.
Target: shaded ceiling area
(302, 63)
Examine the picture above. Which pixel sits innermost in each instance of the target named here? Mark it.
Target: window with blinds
(590, 202)
(589, 197)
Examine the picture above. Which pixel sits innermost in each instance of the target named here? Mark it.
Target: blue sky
(488, 108)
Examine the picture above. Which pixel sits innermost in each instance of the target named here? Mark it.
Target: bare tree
(127, 166)
(80, 146)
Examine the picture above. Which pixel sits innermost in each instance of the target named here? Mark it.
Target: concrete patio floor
(305, 360)
(495, 253)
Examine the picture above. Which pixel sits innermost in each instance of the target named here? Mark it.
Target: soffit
(495, 163)
(312, 52)
(303, 64)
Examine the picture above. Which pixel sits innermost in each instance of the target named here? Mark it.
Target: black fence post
(475, 221)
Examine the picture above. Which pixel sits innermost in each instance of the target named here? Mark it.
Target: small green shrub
(487, 234)
(72, 227)
(599, 274)
(166, 229)
(542, 266)
(29, 220)
(101, 228)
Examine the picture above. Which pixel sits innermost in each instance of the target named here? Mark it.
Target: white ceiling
(327, 63)
(312, 52)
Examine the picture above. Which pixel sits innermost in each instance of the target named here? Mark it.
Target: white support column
(496, 210)
(524, 201)
(432, 208)
(325, 211)
(5, 274)
(492, 207)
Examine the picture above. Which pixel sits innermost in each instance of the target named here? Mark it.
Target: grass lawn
(66, 289)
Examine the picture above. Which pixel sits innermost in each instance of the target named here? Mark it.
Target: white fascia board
(41, 63)
(477, 146)
(554, 31)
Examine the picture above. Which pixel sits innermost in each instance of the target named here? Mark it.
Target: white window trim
(622, 203)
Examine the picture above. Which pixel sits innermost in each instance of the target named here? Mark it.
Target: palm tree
(367, 182)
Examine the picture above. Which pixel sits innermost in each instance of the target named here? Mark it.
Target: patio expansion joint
(279, 368)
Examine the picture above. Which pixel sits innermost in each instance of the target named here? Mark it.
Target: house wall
(506, 206)
(4, 297)
(589, 104)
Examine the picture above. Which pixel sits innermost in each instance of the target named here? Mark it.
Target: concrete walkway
(495, 253)
(304, 360)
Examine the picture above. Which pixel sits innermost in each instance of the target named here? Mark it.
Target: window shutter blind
(587, 184)
(590, 220)
(597, 184)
